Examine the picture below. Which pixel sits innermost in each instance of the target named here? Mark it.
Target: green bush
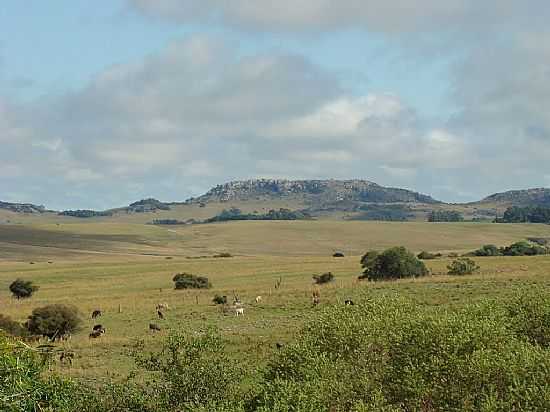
(22, 288)
(428, 256)
(530, 316)
(487, 250)
(524, 248)
(194, 371)
(189, 281)
(394, 263)
(462, 266)
(25, 387)
(54, 321)
(11, 327)
(390, 354)
(324, 278)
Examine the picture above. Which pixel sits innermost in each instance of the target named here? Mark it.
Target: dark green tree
(22, 288)
(393, 263)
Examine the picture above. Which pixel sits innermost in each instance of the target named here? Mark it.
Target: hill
(312, 191)
(528, 197)
(22, 207)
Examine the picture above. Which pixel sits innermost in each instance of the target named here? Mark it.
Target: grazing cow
(279, 345)
(258, 299)
(154, 327)
(98, 327)
(239, 311)
(163, 306)
(159, 313)
(67, 357)
(349, 302)
(96, 313)
(95, 334)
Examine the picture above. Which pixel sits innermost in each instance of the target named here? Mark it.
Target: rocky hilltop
(325, 191)
(22, 207)
(528, 197)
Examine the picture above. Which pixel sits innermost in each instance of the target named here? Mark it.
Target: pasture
(126, 269)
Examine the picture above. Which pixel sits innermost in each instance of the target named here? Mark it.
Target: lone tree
(189, 281)
(23, 288)
(54, 321)
(393, 263)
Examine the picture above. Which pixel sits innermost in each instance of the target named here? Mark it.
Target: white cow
(239, 311)
(258, 299)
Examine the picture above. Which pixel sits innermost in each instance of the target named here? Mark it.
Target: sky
(106, 103)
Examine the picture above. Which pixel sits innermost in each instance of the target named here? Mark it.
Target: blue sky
(104, 104)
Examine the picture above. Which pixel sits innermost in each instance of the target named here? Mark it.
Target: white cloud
(390, 16)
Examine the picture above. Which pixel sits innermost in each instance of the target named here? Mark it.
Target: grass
(121, 268)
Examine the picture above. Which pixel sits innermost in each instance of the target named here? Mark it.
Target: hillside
(320, 199)
(312, 191)
(22, 207)
(528, 197)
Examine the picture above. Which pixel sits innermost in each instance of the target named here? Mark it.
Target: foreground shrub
(324, 278)
(23, 385)
(391, 355)
(195, 371)
(529, 314)
(462, 266)
(22, 288)
(189, 281)
(54, 321)
(394, 263)
(11, 327)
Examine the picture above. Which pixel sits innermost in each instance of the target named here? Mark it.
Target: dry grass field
(125, 269)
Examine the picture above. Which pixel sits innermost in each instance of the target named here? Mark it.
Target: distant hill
(319, 199)
(22, 207)
(528, 197)
(312, 191)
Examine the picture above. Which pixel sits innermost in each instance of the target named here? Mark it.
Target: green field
(125, 269)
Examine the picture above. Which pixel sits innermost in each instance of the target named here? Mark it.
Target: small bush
(487, 250)
(11, 327)
(524, 248)
(220, 300)
(394, 263)
(462, 266)
(324, 278)
(22, 289)
(223, 255)
(189, 281)
(428, 256)
(54, 321)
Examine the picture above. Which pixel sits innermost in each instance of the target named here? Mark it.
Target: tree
(189, 281)
(393, 263)
(23, 288)
(54, 321)
(462, 266)
(445, 216)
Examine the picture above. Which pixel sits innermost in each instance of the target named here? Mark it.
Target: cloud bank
(201, 112)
